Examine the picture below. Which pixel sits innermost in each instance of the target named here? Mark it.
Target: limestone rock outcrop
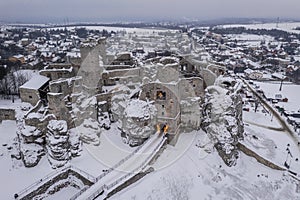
(57, 144)
(223, 118)
(138, 121)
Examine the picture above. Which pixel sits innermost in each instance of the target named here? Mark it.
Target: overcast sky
(139, 10)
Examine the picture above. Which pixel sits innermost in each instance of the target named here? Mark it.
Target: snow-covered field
(250, 39)
(288, 26)
(291, 91)
(111, 150)
(7, 103)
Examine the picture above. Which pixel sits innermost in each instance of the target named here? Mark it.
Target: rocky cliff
(223, 118)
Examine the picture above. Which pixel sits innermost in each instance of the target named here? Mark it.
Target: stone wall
(208, 76)
(168, 108)
(55, 74)
(29, 95)
(42, 189)
(168, 73)
(117, 67)
(66, 86)
(167, 105)
(58, 106)
(7, 114)
(124, 72)
(191, 87)
(259, 159)
(217, 69)
(191, 113)
(104, 97)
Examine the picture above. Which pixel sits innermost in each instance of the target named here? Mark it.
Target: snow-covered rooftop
(35, 82)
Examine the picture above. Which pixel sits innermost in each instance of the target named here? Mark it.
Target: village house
(35, 90)
(17, 58)
(293, 73)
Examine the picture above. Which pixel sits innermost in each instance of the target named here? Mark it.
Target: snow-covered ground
(184, 171)
(194, 176)
(250, 39)
(263, 134)
(111, 149)
(65, 193)
(289, 90)
(288, 26)
(261, 119)
(15, 177)
(7, 103)
(129, 168)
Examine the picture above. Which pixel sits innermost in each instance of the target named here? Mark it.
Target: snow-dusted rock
(31, 154)
(30, 134)
(57, 143)
(223, 118)
(118, 106)
(75, 143)
(89, 131)
(138, 121)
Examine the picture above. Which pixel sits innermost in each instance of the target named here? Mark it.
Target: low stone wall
(117, 67)
(259, 159)
(62, 176)
(104, 97)
(7, 114)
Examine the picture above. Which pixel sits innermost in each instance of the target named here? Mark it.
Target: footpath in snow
(127, 169)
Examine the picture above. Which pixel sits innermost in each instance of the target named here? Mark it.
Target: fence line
(120, 162)
(141, 166)
(98, 191)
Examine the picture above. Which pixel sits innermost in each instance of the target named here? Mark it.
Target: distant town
(111, 109)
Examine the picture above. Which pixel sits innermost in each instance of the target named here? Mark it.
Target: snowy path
(264, 126)
(130, 167)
